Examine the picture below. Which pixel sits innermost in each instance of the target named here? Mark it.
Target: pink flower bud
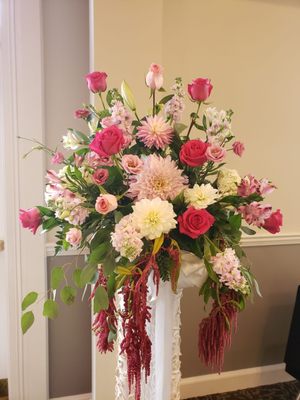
(154, 78)
(57, 158)
(81, 113)
(96, 81)
(200, 89)
(238, 148)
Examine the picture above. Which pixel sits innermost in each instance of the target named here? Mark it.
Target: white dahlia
(153, 217)
(201, 196)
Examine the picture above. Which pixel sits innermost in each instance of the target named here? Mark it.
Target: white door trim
(25, 255)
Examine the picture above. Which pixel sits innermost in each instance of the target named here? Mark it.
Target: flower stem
(193, 120)
(153, 98)
(102, 102)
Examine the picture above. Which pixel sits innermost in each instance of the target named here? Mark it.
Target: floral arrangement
(135, 191)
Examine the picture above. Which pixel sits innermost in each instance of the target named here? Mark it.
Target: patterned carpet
(280, 391)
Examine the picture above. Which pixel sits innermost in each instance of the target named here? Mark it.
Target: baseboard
(233, 380)
(85, 396)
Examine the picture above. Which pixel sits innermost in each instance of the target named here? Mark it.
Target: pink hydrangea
(126, 238)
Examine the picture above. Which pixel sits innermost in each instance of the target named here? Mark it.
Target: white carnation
(201, 196)
(153, 217)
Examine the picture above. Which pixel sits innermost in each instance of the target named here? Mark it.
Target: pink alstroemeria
(255, 213)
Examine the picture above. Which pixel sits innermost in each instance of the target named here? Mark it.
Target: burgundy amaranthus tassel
(136, 343)
(215, 331)
(105, 320)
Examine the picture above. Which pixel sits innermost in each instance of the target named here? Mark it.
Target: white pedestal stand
(164, 332)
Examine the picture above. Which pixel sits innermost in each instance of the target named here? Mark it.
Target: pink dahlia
(159, 177)
(155, 131)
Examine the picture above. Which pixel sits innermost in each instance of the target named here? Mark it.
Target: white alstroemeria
(201, 196)
(218, 124)
(71, 141)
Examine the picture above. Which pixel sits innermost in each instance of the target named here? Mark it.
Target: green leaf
(235, 221)
(101, 301)
(29, 299)
(247, 230)
(45, 211)
(57, 275)
(50, 223)
(77, 277)
(98, 254)
(179, 128)
(50, 309)
(68, 294)
(112, 336)
(111, 285)
(26, 321)
(109, 264)
(87, 274)
(118, 216)
(165, 99)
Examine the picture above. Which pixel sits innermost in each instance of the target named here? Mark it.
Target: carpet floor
(279, 391)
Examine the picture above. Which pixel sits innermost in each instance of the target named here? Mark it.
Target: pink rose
(215, 153)
(106, 203)
(100, 176)
(30, 219)
(248, 186)
(154, 78)
(238, 148)
(194, 223)
(81, 113)
(74, 236)
(57, 158)
(132, 164)
(200, 89)
(108, 142)
(96, 81)
(274, 222)
(193, 153)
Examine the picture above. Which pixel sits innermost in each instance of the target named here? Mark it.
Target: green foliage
(247, 230)
(164, 263)
(101, 301)
(29, 299)
(68, 295)
(27, 321)
(87, 274)
(57, 275)
(50, 309)
(77, 277)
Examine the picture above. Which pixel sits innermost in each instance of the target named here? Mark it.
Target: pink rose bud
(154, 78)
(57, 158)
(274, 222)
(108, 142)
(132, 164)
(81, 113)
(74, 236)
(238, 148)
(200, 89)
(106, 203)
(100, 176)
(215, 153)
(30, 219)
(96, 81)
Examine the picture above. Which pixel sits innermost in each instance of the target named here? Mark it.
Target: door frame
(25, 258)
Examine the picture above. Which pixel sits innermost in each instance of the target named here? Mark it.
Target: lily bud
(128, 96)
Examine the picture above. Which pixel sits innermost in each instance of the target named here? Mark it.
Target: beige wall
(250, 50)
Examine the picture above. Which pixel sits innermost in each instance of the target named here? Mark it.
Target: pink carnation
(81, 113)
(57, 158)
(30, 219)
(155, 132)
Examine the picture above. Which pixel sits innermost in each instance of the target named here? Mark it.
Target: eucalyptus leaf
(29, 299)
(68, 294)
(50, 309)
(87, 274)
(57, 275)
(26, 321)
(77, 277)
